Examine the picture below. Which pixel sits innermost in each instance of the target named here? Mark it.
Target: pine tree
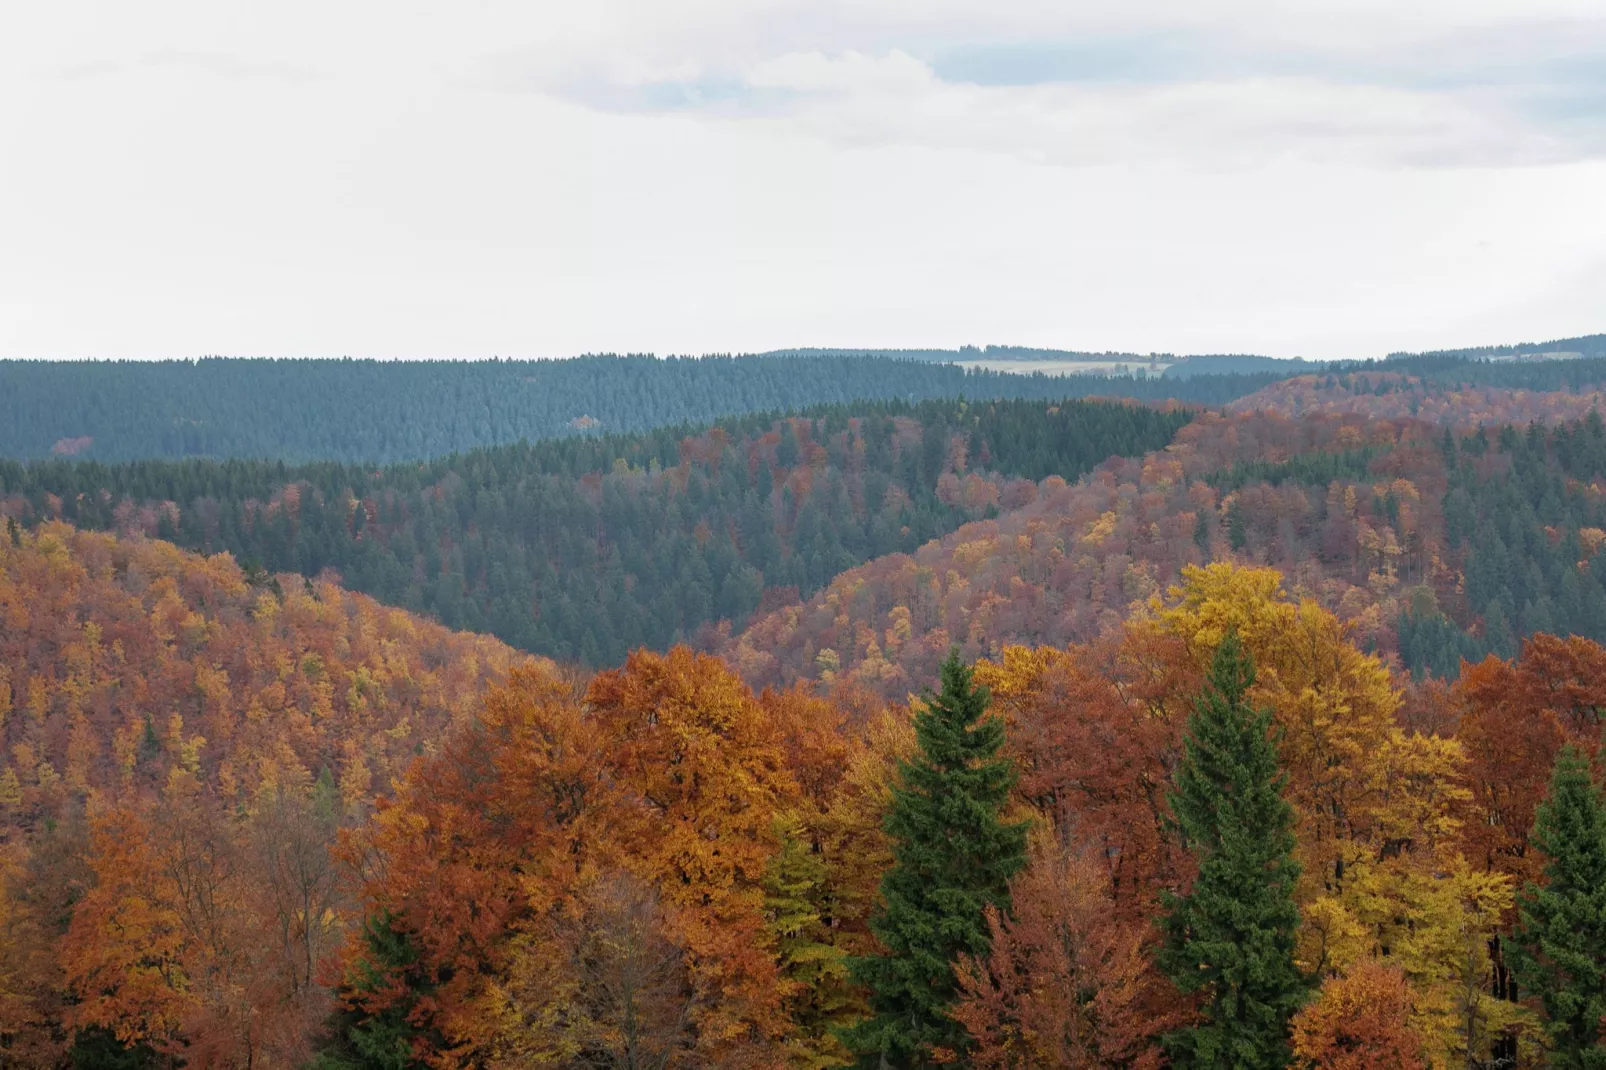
(953, 856)
(1231, 938)
(1559, 950)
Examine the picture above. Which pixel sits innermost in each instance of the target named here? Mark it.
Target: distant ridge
(386, 411)
(1021, 353)
(1589, 345)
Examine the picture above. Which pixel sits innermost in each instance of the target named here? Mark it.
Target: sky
(1329, 178)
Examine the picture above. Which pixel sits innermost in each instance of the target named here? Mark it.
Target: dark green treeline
(1523, 514)
(366, 411)
(584, 549)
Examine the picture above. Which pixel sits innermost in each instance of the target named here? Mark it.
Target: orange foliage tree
(1360, 1021)
(643, 820)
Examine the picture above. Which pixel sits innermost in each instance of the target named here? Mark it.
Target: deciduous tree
(1360, 1020)
(1067, 982)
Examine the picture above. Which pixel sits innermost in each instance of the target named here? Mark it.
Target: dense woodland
(374, 412)
(1263, 736)
(1358, 512)
(869, 538)
(262, 825)
(586, 549)
(135, 675)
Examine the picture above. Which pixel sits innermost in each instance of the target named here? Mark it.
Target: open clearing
(1066, 367)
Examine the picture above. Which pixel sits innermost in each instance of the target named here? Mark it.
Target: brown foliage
(1067, 983)
(1069, 565)
(190, 715)
(609, 970)
(647, 812)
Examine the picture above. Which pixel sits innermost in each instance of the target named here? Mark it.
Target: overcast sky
(544, 178)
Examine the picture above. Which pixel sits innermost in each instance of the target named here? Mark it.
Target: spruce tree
(1559, 952)
(953, 856)
(361, 1039)
(1231, 938)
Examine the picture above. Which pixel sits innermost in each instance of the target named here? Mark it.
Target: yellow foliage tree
(1381, 872)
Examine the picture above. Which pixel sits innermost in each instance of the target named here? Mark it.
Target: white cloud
(1416, 85)
(861, 101)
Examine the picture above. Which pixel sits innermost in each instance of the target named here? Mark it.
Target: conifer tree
(1559, 952)
(380, 1038)
(953, 856)
(1232, 937)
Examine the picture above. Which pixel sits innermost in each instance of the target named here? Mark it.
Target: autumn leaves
(666, 870)
(655, 867)
(583, 877)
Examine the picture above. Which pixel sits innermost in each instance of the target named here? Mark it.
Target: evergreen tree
(953, 855)
(1231, 938)
(380, 1039)
(97, 1048)
(1237, 526)
(1559, 952)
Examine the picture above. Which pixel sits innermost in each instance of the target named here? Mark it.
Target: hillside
(1590, 345)
(256, 716)
(396, 847)
(1430, 548)
(123, 659)
(586, 549)
(368, 412)
(1459, 393)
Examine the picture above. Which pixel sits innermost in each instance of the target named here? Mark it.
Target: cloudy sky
(549, 177)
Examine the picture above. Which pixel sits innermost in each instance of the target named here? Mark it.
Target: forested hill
(1589, 345)
(1436, 541)
(586, 549)
(366, 411)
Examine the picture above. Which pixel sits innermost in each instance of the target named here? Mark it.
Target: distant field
(1062, 367)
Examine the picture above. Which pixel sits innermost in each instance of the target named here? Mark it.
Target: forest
(583, 549)
(377, 412)
(888, 733)
(798, 546)
(259, 825)
(1399, 526)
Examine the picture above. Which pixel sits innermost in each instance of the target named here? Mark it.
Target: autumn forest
(877, 714)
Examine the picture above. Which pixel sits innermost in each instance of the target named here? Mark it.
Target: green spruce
(953, 856)
(1231, 938)
(1559, 952)
(378, 1039)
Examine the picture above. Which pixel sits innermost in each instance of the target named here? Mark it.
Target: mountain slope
(586, 549)
(166, 721)
(1427, 547)
(124, 658)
